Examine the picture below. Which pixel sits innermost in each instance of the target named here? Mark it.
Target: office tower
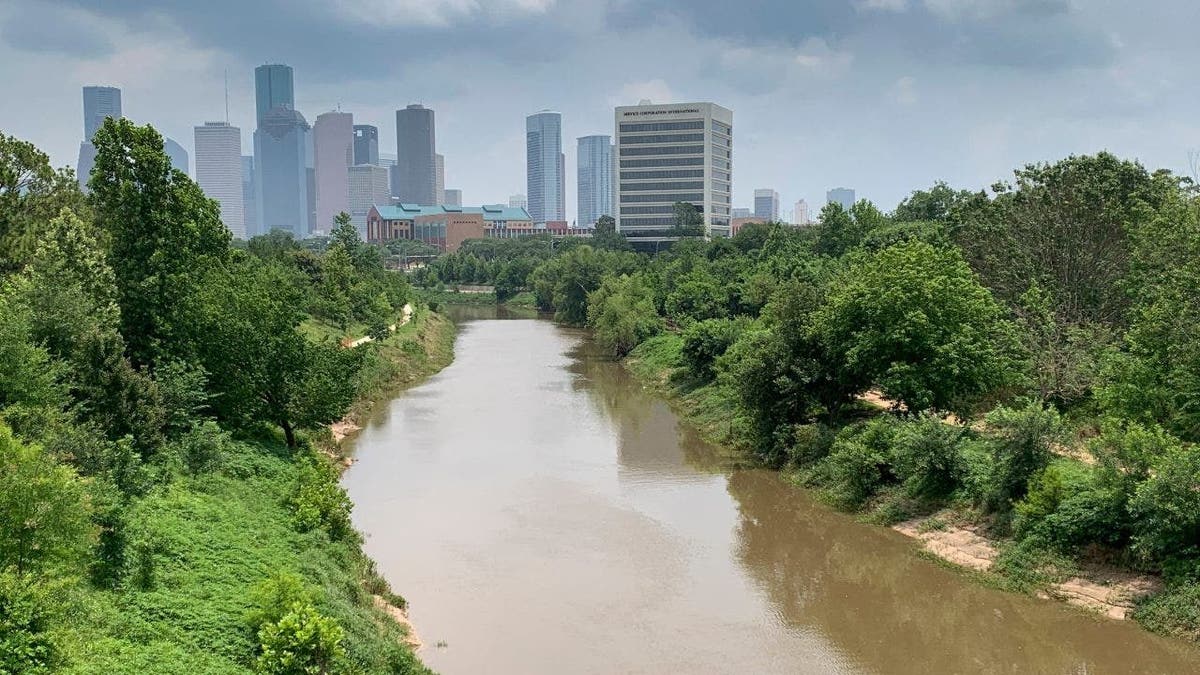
(545, 174)
(843, 196)
(766, 204)
(366, 144)
(369, 187)
(518, 202)
(439, 179)
(453, 197)
(741, 212)
(179, 156)
(249, 197)
(416, 156)
(282, 160)
(676, 152)
(219, 171)
(99, 103)
(333, 154)
(800, 213)
(594, 171)
(273, 87)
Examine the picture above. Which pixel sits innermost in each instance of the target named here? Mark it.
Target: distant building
(677, 152)
(219, 171)
(446, 227)
(741, 212)
(368, 186)
(333, 154)
(179, 156)
(282, 177)
(416, 156)
(274, 87)
(737, 224)
(366, 144)
(594, 173)
(518, 202)
(249, 197)
(99, 104)
(545, 174)
(800, 213)
(439, 179)
(453, 197)
(766, 204)
(843, 196)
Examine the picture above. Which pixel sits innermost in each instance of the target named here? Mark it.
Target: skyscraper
(249, 197)
(766, 204)
(219, 171)
(282, 147)
(677, 152)
(366, 144)
(843, 196)
(453, 197)
(179, 156)
(594, 171)
(518, 202)
(800, 213)
(368, 187)
(741, 212)
(333, 154)
(415, 156)
(273, 87)
(545, 174)
(99, 103)
(439, 179)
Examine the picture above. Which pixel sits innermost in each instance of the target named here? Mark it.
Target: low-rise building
(446, 227)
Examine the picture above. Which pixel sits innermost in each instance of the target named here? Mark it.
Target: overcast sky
(881, 95)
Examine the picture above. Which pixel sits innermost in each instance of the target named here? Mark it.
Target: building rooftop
(489, 211)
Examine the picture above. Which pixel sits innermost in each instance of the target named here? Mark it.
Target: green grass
(523, 300)
(431, 295)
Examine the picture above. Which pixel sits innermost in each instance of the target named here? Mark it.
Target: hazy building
(219, 171)
(179, 156)
(741, 212)
(273, 87)
(843, 196)
(416, 156)
(518, 202)
(99, 104)
(282, 172)
(369, 186)
(545, 174)
(366, 144)
(676, 152)
(333, 155)
(249, 197)
(800, 213)
(766, 204)
(439, 178)
(453, 197)
(594, 173)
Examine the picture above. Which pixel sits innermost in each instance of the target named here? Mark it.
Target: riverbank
(953, 535)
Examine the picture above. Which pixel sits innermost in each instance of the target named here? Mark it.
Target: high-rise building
(273, 87)
(741, 212)
(249, 197)
(594, 170)
(99, 104)
(453, 197)
(439, 178)
(766, 204)
(800, 213)
(282, 173)
(179, 156)
(369, 187)
(366, 144)
(843, 196)
(219, 171)
(668, 153)
(416, 150)
(333, 154)
(545, 172)
(518, 202)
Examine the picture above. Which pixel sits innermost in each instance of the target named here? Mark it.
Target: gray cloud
(46, 29)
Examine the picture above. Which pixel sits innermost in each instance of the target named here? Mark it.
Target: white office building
(219, 171)
(800, 213)
(369, 186)
(677, 152)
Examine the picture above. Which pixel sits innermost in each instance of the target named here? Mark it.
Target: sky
(884, 96)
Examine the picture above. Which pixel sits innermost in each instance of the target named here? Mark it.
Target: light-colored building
(179, 156)
(99, 104)
(439, 178)
(453, 197)
(545, 173)
(219, 171)
(800, 213)
(249, 197)
(742, 212)
(446, 227)
(766, 204)
(333, 154)
(668, 153)
(594, 162)
(518, 202)
(369, 186)
(843, 196)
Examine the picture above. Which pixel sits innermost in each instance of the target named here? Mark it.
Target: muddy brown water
(543, 514)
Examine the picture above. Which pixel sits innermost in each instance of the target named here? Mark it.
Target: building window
(661, 162)
(662, 138)
(646, 187)
(672, 198)
(662, 126)
(675, 173)
(664, 150)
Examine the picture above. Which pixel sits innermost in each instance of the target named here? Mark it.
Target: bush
(1019, 446)
(810, 444)
(706, 341)
(303, 641)
(858, 463)
(24, 645)
(1175, 611)
(926, 457)
(1070, 506)
(622, 314)
(202, 448)
(318, 500)
(1166, 508)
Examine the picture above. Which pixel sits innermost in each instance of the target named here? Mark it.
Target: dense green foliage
(158, 400)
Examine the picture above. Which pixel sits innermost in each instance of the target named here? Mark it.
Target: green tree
(25, 644)
(838, 232)
(622, 314)
(937, 204)
(689, 222)
(302, 642)
(31, 193)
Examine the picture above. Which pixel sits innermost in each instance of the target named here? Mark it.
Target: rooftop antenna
(226, 96)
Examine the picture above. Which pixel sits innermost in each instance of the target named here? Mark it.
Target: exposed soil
(401, 617)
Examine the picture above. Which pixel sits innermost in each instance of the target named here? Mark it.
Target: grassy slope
(212, 538)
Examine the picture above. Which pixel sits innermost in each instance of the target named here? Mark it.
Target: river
(543, 514)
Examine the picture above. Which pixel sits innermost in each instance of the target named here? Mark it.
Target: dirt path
(407, 316)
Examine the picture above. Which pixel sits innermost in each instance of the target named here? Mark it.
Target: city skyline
(545, 170)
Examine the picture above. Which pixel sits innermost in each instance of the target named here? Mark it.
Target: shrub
(1166, 508)
(810, 444)
(926, 457)
(202, 448)
(705, 341)
(303, 641)
(318, 500)
(1175, 611)
(1019, 444)
(24, 645)
(858, 462)
(1069, 506)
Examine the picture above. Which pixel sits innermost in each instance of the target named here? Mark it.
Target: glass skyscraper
(273, 87)
(594, 172)
(545, 176)
(99, 103)
(366, 144)
(766, 204)
(283, 156)
(843, 196)
(416, 156)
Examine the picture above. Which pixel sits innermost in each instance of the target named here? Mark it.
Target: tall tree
(31, 193)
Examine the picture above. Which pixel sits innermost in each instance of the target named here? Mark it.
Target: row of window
(722, 128)
(662, 138)
(721, 175)
(718, 186)
(663, 209)
(664, 150)
(672, 198)
(721, 163)
(662, 126)
(648, 187)
(669, 173)
(665, 161)
(647, 222)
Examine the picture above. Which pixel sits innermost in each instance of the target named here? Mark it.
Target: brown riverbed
(543, 514)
